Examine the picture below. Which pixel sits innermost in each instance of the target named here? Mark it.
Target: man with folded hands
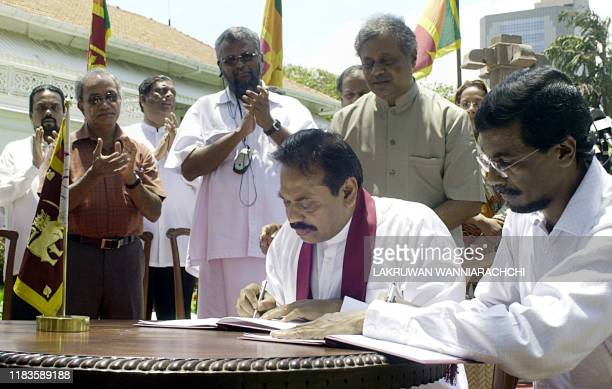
(318, 255)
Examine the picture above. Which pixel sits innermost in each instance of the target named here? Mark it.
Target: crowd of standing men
(269, 196)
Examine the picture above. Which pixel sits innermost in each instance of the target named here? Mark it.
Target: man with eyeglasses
(227, 138)
(157, 98)
(551, 323)
(413, 144)
(114, 182)
(21, 164)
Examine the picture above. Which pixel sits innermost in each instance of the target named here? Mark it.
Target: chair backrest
(147, 239)
(179, 299)
(11, 236)
(503, 380)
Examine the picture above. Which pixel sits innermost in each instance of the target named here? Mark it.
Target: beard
(239, 87)
(48, 127)
(534, 206)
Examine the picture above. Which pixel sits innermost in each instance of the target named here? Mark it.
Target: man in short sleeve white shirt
(217, 138)
(21, 164)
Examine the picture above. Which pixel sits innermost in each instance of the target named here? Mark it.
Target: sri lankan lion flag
(100, 32)
(437, 34)
(272, 43)
(40, 280)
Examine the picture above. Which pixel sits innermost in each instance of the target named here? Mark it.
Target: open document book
(396, 349)
(226, 323)
(362, 342)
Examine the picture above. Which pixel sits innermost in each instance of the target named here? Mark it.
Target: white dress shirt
(19, 185)
(177, 208)
(555, 329)
(394, 218)
(223, 226)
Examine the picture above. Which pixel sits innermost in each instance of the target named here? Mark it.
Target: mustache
(302, 226)
(506, 191)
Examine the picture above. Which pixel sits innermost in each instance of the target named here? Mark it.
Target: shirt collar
(83, 133)
(340, 237)
(403, 102)
(147, 127)
(584, 205)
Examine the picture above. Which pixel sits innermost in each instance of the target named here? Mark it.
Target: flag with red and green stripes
(437, 34)
(100, 32)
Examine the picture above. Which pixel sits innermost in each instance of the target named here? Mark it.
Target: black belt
(104, 243)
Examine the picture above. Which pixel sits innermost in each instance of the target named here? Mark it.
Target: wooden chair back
(11, 238)
(179, 299)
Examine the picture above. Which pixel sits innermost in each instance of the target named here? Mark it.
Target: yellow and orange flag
(100, 32)
(40, 282)
(437, 34)
(272, 43)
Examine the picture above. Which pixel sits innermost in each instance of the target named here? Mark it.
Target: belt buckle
(104, 241)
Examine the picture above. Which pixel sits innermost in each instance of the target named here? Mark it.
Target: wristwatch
(135, 184)
(276, 126)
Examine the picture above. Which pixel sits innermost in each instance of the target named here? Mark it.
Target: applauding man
(157, 132)
(114, 183)
(21, 164)
(227, 138)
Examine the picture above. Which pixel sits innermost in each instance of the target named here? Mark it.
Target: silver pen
(261, 295)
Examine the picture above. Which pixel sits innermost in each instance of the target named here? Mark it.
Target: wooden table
(117, 354)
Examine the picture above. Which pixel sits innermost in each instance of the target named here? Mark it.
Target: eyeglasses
(467, 104)
(109, 97)
(500, 168)
(232, 60)
(368, 65)
(157, 96)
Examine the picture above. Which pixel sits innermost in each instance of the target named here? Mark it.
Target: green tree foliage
(586, 58)
(317, 79)
(445, 90)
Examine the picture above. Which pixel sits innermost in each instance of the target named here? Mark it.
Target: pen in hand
(262, 292)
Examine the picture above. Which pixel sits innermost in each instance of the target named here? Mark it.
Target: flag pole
(64, 206)
(62, 322)
(459, 82)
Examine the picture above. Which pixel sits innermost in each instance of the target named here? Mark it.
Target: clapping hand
(258, 103)
(38, 154)
(170, 123)
(113, 164)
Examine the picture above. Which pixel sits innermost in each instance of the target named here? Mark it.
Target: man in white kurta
(21, 164)
(157, 132)
(395, 218)
(321, 180)
(231, 208)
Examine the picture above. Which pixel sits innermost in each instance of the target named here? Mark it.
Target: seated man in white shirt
(21, 164)
(318, 255)
(552, 325)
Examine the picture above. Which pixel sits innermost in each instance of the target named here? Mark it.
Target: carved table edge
(152, 365)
